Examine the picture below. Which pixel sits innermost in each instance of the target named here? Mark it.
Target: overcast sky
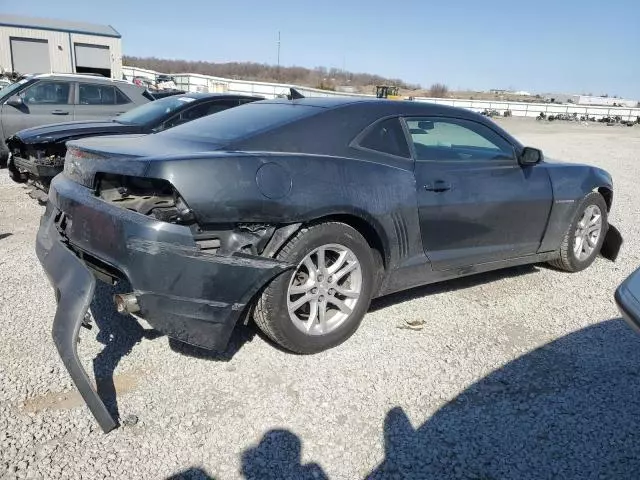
(542, 46)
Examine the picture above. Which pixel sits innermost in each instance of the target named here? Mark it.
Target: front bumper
(184, 293)
(35, 169)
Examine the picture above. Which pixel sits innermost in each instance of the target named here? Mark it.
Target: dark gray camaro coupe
(298, 212)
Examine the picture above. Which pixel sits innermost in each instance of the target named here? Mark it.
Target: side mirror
(426, 125)
(530, 156)
(628, 299)
(16, 101)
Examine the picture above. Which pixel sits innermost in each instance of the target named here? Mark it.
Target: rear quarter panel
(291, 188)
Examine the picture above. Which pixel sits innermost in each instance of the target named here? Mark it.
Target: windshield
(154, 111)
(8, 90)
(240, 122)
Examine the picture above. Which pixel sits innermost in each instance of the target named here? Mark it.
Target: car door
(476, 203)
(44, 102)
(98, 101)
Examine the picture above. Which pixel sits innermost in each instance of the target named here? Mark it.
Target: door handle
(438, 186)
(60, 112)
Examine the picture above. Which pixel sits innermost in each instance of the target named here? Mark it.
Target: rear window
(243, 121)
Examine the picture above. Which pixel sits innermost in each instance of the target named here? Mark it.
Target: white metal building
(37, 45)
(605, 101)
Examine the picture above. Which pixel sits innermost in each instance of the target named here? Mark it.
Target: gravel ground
(525, 373)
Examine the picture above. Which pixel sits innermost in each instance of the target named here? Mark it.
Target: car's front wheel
(321, 302)
(583, 240)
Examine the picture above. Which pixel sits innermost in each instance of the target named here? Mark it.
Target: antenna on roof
(294, 94)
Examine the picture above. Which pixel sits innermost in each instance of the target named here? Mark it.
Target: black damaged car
(298, 212)
(38, 153)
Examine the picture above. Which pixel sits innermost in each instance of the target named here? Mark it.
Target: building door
(93, 59)
(30, 55)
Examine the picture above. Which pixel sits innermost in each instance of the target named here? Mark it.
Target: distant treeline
(320, 77)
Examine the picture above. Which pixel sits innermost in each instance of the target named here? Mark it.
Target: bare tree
(438, 90)
(327, 77)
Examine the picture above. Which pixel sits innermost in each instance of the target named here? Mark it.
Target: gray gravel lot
(525, 373)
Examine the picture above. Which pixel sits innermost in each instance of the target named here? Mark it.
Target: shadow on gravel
(119, 334)
(569, 409)
(5, 235)
(450, 285)
(191, 474)
(279, 455)
(241, 335)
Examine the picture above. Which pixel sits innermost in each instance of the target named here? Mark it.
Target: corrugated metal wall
(60, 48)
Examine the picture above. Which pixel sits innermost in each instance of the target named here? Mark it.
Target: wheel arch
(607, 194)
(371, 230)
(366, 228)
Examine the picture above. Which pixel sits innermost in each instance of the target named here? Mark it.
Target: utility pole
(278, 70)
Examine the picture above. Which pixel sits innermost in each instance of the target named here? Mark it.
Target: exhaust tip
(126, 303)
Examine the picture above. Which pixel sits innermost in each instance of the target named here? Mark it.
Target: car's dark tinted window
(94, 94)
(452, 139)
(121, 98)
(155, 111)
(236, 123)
(47, 93)
(387, 137)
(198, 111)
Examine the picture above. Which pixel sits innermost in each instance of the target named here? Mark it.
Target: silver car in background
(54, 98)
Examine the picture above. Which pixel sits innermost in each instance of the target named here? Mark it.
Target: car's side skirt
(420, 274)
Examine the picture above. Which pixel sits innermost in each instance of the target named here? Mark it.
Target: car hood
(552, 163)
(68, 130)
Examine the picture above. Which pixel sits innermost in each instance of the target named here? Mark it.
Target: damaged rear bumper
(184, 293)
(35, 169)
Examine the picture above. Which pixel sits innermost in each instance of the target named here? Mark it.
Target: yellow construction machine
(387, 91)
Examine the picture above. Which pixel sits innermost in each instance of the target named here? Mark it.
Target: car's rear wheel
(583, 240)
(321, 302)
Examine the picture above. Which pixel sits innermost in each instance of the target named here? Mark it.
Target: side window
(387, 137)
(121, 98)
(452, 139)
(95, 94)
(199, 111)
(47, 93)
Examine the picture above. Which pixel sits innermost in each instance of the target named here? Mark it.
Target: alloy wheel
(324, 289)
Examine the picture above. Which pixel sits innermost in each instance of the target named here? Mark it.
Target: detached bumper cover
(74, 285)
(184, 293)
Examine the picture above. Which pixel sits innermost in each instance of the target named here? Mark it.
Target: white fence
(192, 82)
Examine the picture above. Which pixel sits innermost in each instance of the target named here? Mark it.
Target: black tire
(568, 261)
(271, 313)
(15, 174)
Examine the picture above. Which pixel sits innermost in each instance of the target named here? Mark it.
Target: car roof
(79, 76)
(205, 95)
(387, 107)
